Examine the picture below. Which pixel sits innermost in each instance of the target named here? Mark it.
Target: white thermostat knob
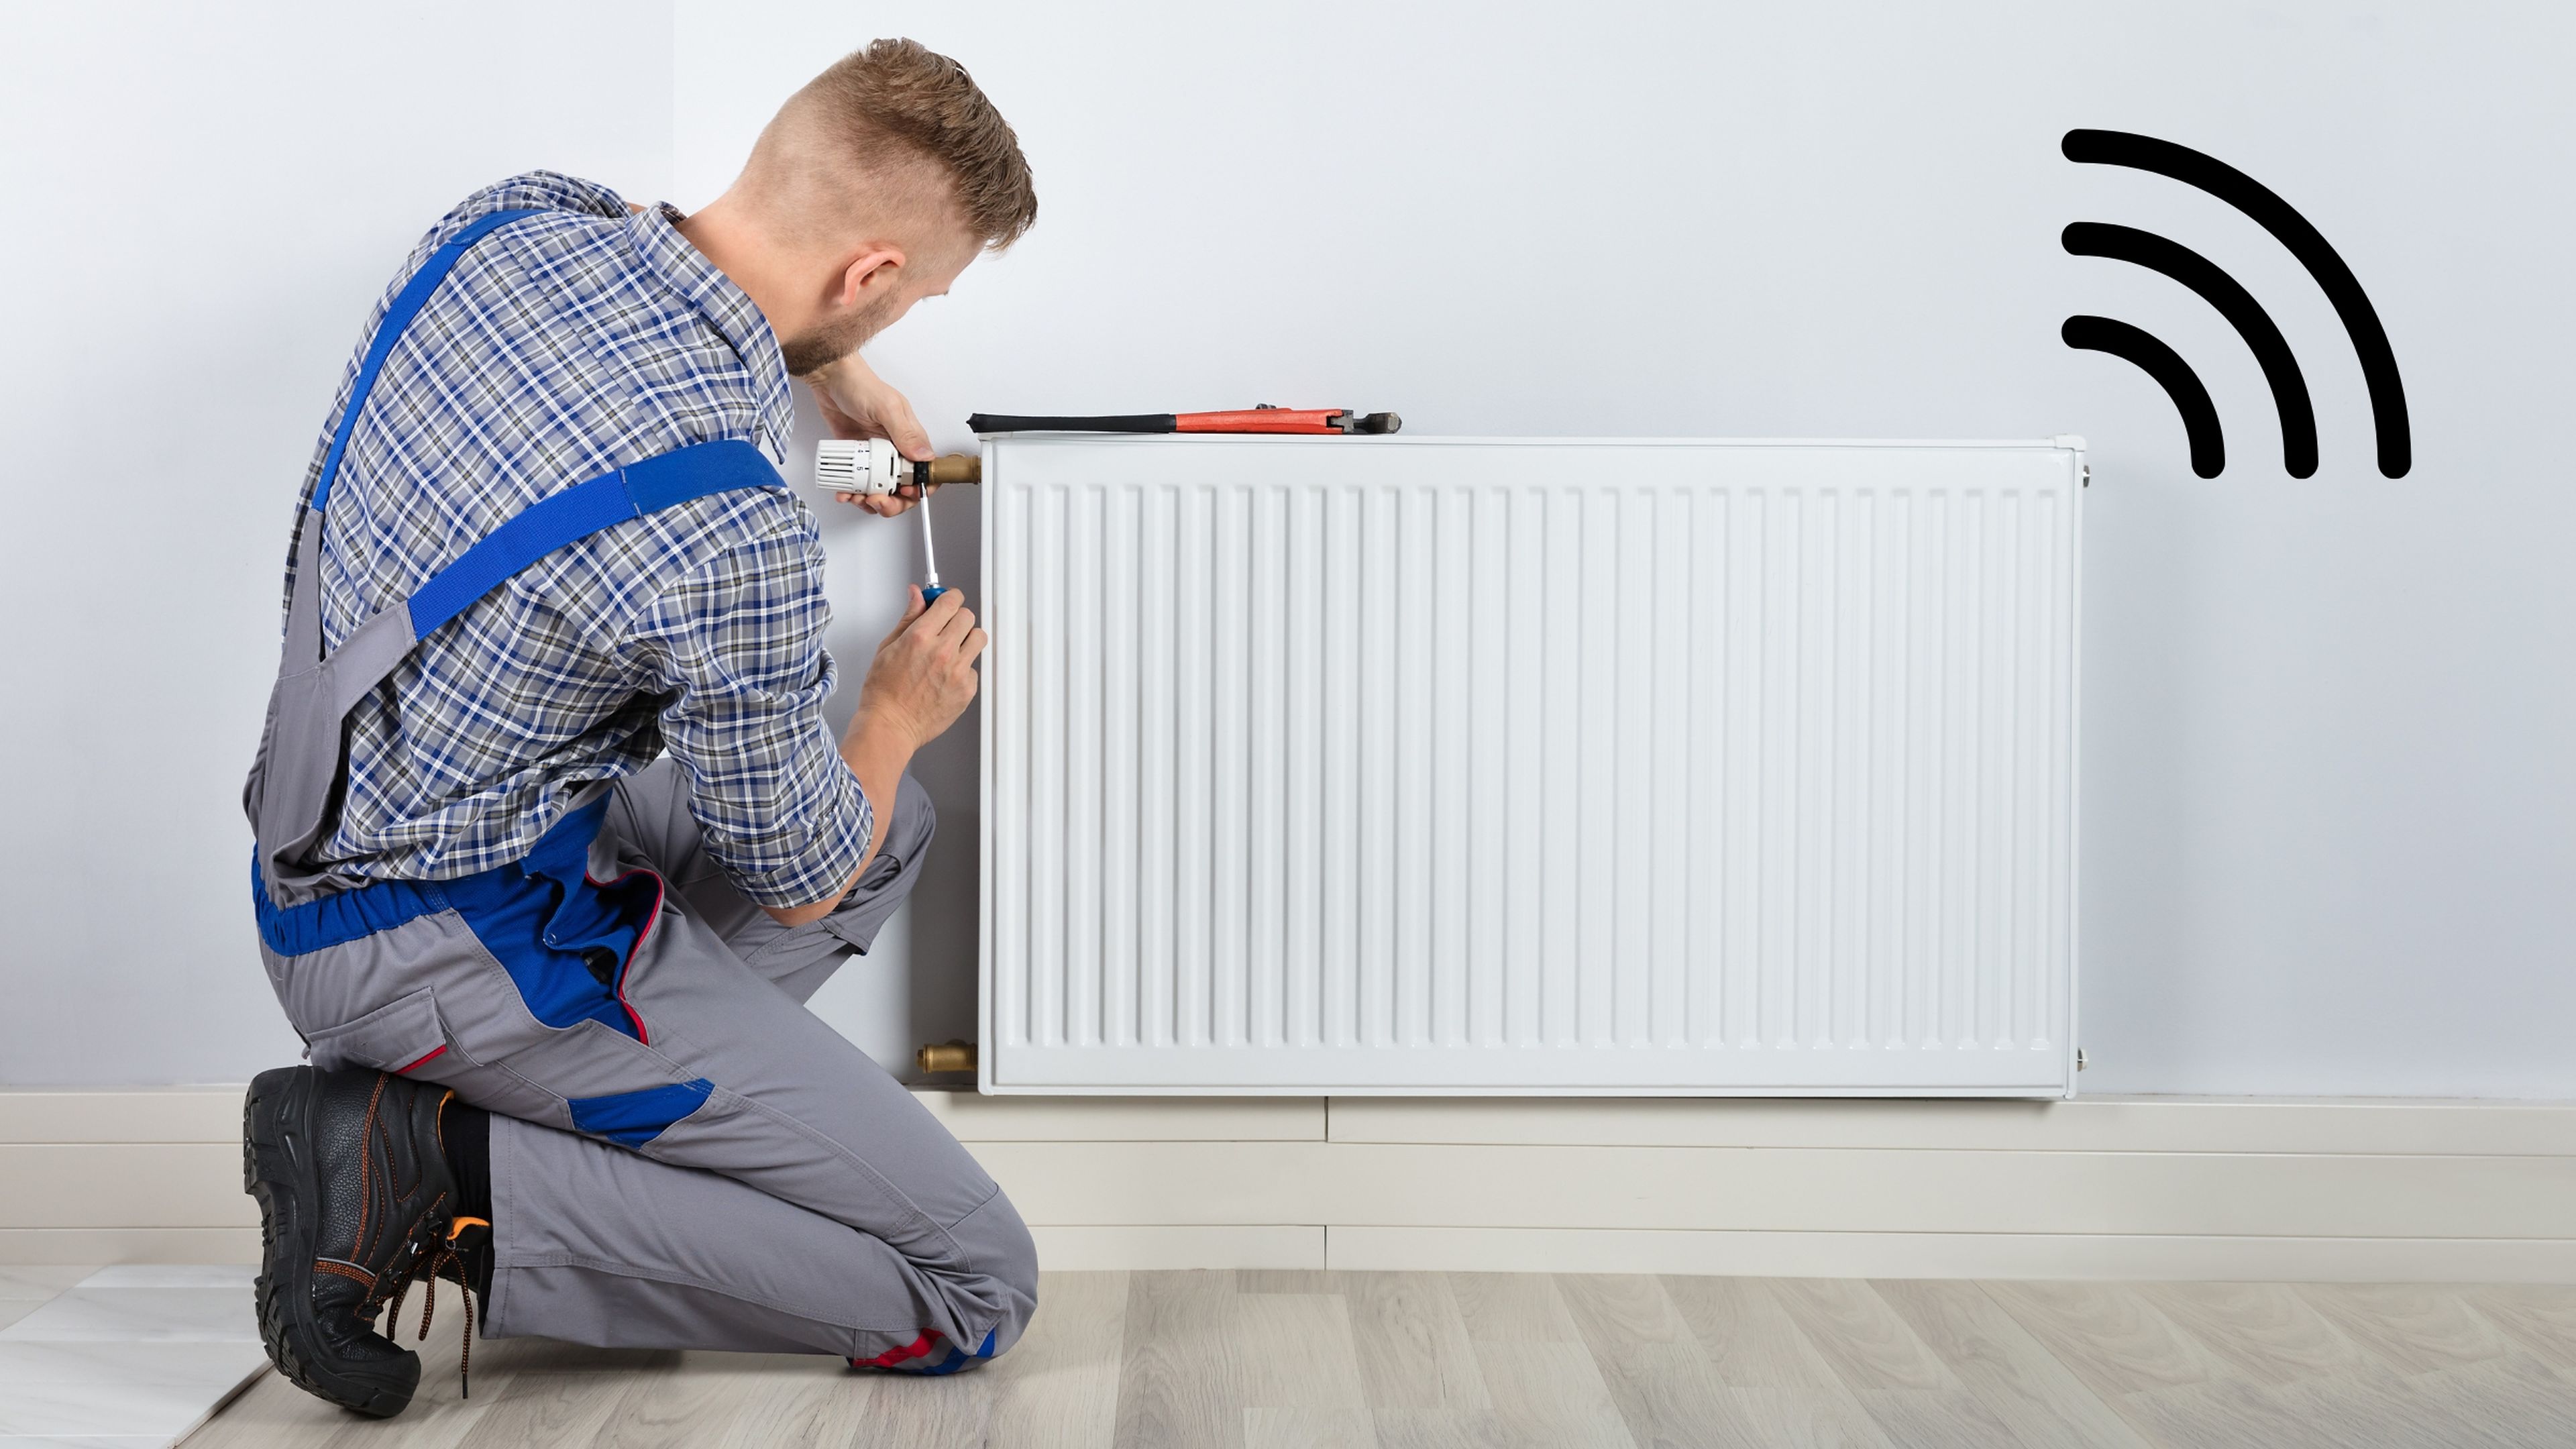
(858, 465)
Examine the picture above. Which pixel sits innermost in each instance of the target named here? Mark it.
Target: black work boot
(355, 1201)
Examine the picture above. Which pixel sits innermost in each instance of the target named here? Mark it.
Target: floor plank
(2264, 1331)
(1277, 1427)
(1784, 1387)
(2011, 1373)
(536, 1408)
(1427, 1429)
(1657, 1373)
(1176, 1377)
(2541, 1315)
(1288, 1359)
(1512, 1308)
(1414, 1352)
(2508, 1403)
(825, 1409)
(1868, 1346)
(2514, 1402)
(1545, 1394)
(1058, 1388)
(1288, 1280)
(675, 1410)
(954, 1411)
(2114, 1340)
(2409, 1328)
(1294, 1351)
(2222, 1412)
(1906, 1388)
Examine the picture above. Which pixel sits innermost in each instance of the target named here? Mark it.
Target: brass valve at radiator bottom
(952, 1056)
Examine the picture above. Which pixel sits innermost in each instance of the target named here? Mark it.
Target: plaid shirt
(562, 347)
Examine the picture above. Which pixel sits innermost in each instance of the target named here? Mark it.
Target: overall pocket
(395, 1037)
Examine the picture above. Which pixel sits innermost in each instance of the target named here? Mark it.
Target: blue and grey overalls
(683, 1156)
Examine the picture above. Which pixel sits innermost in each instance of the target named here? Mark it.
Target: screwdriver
(871, 467)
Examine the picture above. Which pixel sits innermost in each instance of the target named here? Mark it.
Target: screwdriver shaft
(930, 588)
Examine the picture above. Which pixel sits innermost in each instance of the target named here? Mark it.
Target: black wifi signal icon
(2271, 350)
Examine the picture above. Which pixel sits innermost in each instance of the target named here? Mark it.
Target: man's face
(928, 271)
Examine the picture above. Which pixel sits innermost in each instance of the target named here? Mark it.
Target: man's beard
(829, 343)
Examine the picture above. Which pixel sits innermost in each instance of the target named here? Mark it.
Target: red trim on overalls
(918, 1348)
(424, 1061)
(661, 891)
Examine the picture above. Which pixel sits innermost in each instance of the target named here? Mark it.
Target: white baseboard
(2174, 1188)
(1179, 1245)
(2111, 1256)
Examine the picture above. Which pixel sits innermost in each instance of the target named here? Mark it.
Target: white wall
(2329, 780)
(202, 203)
(2331, 736)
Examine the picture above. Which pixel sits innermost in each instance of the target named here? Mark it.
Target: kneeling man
(553, 842)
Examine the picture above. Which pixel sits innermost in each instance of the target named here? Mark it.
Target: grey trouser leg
(649, 815)
(809, 1203)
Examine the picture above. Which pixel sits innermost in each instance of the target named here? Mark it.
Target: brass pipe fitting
(953, 1056)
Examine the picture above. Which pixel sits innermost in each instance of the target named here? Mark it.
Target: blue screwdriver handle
(930, 593)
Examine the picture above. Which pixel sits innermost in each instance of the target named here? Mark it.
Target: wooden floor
(1268, 1359)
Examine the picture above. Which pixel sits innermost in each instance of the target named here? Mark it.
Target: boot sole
(278, 1170)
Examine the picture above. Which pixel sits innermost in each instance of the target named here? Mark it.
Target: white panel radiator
(1529, 766)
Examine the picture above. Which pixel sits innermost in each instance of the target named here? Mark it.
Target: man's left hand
(857, 403)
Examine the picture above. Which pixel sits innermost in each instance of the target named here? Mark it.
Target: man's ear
(874, 268)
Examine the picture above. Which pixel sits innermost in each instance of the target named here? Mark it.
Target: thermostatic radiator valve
(871, 467)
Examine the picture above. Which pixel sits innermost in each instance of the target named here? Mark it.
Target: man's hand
(857, 403)
(922, 678)
(923, 675)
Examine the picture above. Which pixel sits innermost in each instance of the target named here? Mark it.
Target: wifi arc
(2135, 346)
(2271, 350)
(2262, 336)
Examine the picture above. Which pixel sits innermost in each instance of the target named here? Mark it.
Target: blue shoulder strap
(582, 510)
(539, 529)
(405, 305)
(560, 517)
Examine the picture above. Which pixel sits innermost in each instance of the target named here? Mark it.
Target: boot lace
(444, 1260)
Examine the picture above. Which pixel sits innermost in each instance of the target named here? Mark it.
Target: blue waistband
(565, 939)
(361, 911)
(349, 915)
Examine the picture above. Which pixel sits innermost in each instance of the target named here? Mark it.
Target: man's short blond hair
(901, 96)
